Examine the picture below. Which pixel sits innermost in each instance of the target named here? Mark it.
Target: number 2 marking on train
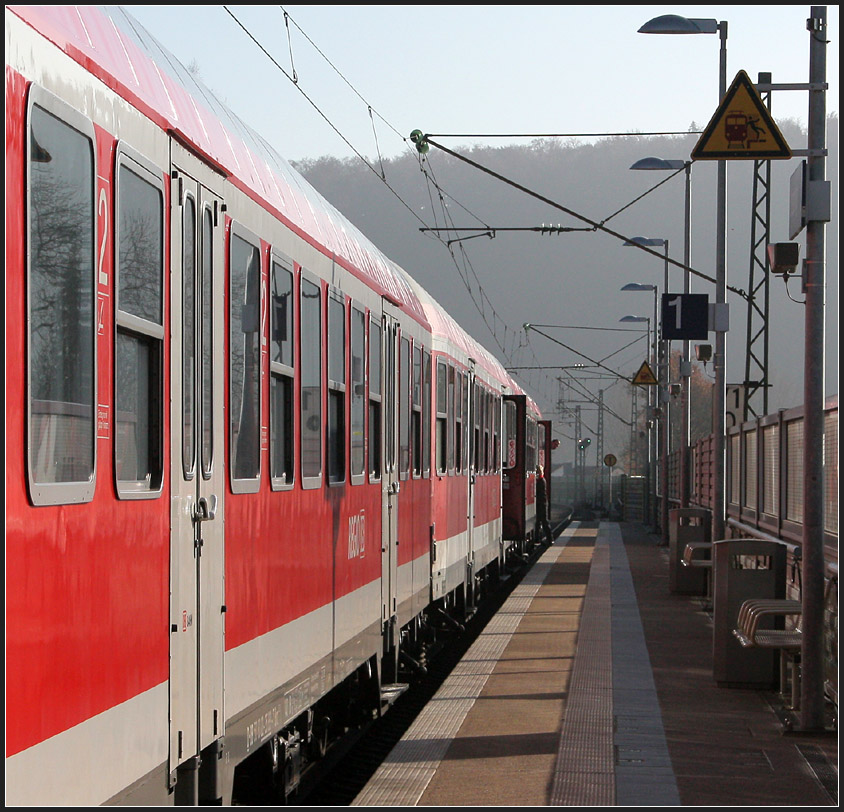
(102, 209)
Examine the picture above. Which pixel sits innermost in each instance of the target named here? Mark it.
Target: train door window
(540, 441)
(138, 353)
(530, 446)
(426, 415)
(188, 336)
(510, 435)
(281, 373)
(390, 330)
(442, 418)
(416, 413)
(374, 400)
(497, 435)
(310, 377)
(404, 408)
(458, 422)
(450, 435)
(61, 302)
(245, 363)
(206, 280)
(358, 395)
(336, 440)
(476, 428)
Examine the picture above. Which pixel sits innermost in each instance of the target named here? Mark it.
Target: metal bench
(788, 641)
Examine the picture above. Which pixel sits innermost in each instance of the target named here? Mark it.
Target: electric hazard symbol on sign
(742, 128)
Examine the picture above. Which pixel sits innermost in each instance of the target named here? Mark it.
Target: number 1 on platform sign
(685, 316)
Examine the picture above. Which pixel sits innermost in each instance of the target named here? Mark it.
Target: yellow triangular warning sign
(742, 128)
(644, 376)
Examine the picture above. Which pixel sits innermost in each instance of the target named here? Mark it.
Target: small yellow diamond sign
(742, 128)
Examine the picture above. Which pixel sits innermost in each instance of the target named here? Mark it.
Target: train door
(546, 446)
(470, 404)
(390, 481)
(197, 361)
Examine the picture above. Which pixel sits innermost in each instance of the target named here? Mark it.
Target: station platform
(593, 686)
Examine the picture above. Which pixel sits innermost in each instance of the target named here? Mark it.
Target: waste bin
(744, 569)
(687, 525)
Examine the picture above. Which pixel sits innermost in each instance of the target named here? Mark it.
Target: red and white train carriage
(246, 453)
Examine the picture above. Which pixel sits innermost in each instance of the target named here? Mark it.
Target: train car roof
(121, 53)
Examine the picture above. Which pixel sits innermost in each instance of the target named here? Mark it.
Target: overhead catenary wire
(561, 135)
(294, 79)
(595, 225)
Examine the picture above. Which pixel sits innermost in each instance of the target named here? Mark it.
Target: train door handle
(205, 509)
(395, 487)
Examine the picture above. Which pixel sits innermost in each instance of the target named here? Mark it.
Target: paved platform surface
(593, 686)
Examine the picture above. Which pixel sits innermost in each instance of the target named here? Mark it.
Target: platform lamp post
(674, 24)
(662, 374)
(657, 164)
(650, 500)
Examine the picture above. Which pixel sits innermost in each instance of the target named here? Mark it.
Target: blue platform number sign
(685, 316)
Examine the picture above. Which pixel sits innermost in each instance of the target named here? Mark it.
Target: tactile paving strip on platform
(403, 777)
(584, 773)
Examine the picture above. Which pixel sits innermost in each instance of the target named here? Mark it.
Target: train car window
(487, 431)
(61, 303)
(310, 377)
(442, 417)
(467, 433)
(336, 440)
(426, 416)
(245, 364)
(374, 400)
(416, 413)
(510, 436)
(481, 432)
(358, 395)
(458, 423)
(139, 341)
(281, 373)
(403, 401)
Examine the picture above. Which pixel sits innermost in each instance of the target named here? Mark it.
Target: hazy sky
(477, 70)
